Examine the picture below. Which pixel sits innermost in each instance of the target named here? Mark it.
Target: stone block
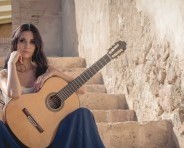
(102, 101)
(154, 134)
(117, 115)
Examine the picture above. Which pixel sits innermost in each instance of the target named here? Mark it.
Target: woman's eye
(33, 42)
(21, 40)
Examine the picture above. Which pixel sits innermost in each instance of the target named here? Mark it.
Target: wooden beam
(5, 2)
(5, 19)
(4, 13)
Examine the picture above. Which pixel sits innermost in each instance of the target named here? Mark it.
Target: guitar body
(22, 113)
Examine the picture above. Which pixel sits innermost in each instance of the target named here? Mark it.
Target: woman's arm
(10, 84)
(53, 72)
(14, 89)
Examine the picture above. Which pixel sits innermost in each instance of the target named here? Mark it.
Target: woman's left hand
(41, 79)
(49, 73)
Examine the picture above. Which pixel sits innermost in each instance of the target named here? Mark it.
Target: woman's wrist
(11, 63)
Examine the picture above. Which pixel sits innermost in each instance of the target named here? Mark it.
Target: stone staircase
(117, 125)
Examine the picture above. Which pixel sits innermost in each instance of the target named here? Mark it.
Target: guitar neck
(73, 86)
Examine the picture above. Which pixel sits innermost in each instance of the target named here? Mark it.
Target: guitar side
(40, 129)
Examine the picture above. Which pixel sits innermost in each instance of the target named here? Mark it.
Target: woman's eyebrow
(21, 38)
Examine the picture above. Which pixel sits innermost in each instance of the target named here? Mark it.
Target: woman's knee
(82, 110)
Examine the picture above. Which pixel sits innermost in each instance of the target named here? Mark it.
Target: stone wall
(92, 23)
(5, 30)
(5, 37)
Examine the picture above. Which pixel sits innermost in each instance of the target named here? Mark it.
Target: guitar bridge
(32, 120)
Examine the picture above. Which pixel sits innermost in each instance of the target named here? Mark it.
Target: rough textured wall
(92, 23)
(5, 36)
(149, 73)
(69, 32)
(5, 30)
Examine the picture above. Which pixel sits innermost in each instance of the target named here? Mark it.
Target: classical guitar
(34, 118)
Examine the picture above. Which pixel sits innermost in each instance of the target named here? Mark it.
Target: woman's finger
(20, 59)
(39, 82)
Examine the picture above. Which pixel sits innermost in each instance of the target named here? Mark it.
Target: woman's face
(26, 45)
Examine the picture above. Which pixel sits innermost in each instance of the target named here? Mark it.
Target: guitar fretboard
(73, 86)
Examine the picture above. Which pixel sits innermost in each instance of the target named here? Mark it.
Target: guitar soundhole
(54, 102)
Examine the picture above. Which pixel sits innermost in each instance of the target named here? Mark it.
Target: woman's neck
(27, 63)
(25, 66)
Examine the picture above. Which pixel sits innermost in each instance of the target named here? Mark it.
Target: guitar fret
(65, 92)
(82, 78)
(103, 61)
(62, 94)
(90, 73)
(110, 58)
(101, 64)
(107, 59)
(74, 86)
(96, 68)
(88, 76)
(93, 70)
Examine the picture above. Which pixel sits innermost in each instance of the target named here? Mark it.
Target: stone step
(95, 88)
(102, 101)
(74, 72)
(118, 115)
(154, 134)
(67, 62)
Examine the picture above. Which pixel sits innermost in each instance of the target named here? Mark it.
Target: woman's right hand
(15, 57)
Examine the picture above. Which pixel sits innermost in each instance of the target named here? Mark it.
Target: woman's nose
(27, 45)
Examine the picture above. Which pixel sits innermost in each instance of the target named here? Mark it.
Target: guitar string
(101, 61)
(62, 99)
(65, 94)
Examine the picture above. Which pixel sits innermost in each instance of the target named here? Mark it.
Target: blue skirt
(77, 130)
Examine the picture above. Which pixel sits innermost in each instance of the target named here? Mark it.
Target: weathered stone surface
(116, 115)
(95, 88)
(155, 134)
(67, 62)
(102, 101)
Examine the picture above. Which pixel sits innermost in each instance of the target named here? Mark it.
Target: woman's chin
(26, 57)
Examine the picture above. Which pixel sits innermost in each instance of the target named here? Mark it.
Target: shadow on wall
(175, 140)
(69, 31)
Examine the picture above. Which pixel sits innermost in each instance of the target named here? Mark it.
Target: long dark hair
(38, 56)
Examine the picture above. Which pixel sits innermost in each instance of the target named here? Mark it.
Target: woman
(25, 71)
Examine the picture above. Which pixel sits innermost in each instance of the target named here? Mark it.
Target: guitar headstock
(117, 49)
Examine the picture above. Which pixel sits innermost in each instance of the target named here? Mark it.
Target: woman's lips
(25, 51)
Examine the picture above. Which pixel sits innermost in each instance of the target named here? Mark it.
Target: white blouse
(4, 99)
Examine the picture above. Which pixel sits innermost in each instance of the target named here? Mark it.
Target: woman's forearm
(14, 89)
(63, 76)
